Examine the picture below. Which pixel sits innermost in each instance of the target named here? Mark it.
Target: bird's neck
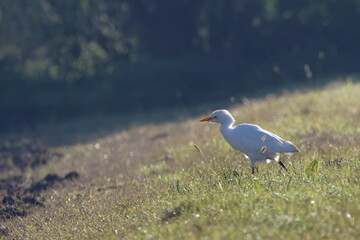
(225, 127)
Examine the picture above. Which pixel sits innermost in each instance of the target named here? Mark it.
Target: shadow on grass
(87, 128)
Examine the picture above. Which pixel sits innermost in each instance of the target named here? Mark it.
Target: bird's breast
(234, 140)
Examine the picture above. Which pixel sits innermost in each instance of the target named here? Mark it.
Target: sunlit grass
(164, 187)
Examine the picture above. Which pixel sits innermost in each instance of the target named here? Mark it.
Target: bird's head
(220, 116)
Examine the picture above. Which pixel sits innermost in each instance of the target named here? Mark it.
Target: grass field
(150, 182)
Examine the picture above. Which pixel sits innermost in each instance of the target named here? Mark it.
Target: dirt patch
(49, 181)
(18, 195)
(24, 153)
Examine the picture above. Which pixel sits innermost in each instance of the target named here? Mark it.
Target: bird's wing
(256, 139)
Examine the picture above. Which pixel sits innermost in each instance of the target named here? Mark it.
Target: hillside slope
(150, 182)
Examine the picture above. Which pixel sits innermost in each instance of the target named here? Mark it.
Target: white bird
(256, 143)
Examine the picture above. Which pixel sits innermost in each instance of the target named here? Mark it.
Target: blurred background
(61, 60)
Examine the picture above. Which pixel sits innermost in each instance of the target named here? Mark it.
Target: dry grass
(149, 182)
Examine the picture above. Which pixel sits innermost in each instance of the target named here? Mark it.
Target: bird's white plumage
(256, 143)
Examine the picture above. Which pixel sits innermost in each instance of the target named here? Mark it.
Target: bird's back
(252, 139)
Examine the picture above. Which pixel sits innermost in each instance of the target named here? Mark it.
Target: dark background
(61, 60)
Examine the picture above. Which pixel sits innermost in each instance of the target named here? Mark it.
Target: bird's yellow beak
(206, 119)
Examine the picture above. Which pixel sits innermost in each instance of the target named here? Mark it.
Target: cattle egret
(256, 143)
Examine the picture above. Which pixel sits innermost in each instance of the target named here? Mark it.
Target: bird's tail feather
(291, 148)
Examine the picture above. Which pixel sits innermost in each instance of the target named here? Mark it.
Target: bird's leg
(253, 169)
(282, 165)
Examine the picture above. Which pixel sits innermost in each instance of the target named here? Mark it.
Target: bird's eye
(215, 117)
